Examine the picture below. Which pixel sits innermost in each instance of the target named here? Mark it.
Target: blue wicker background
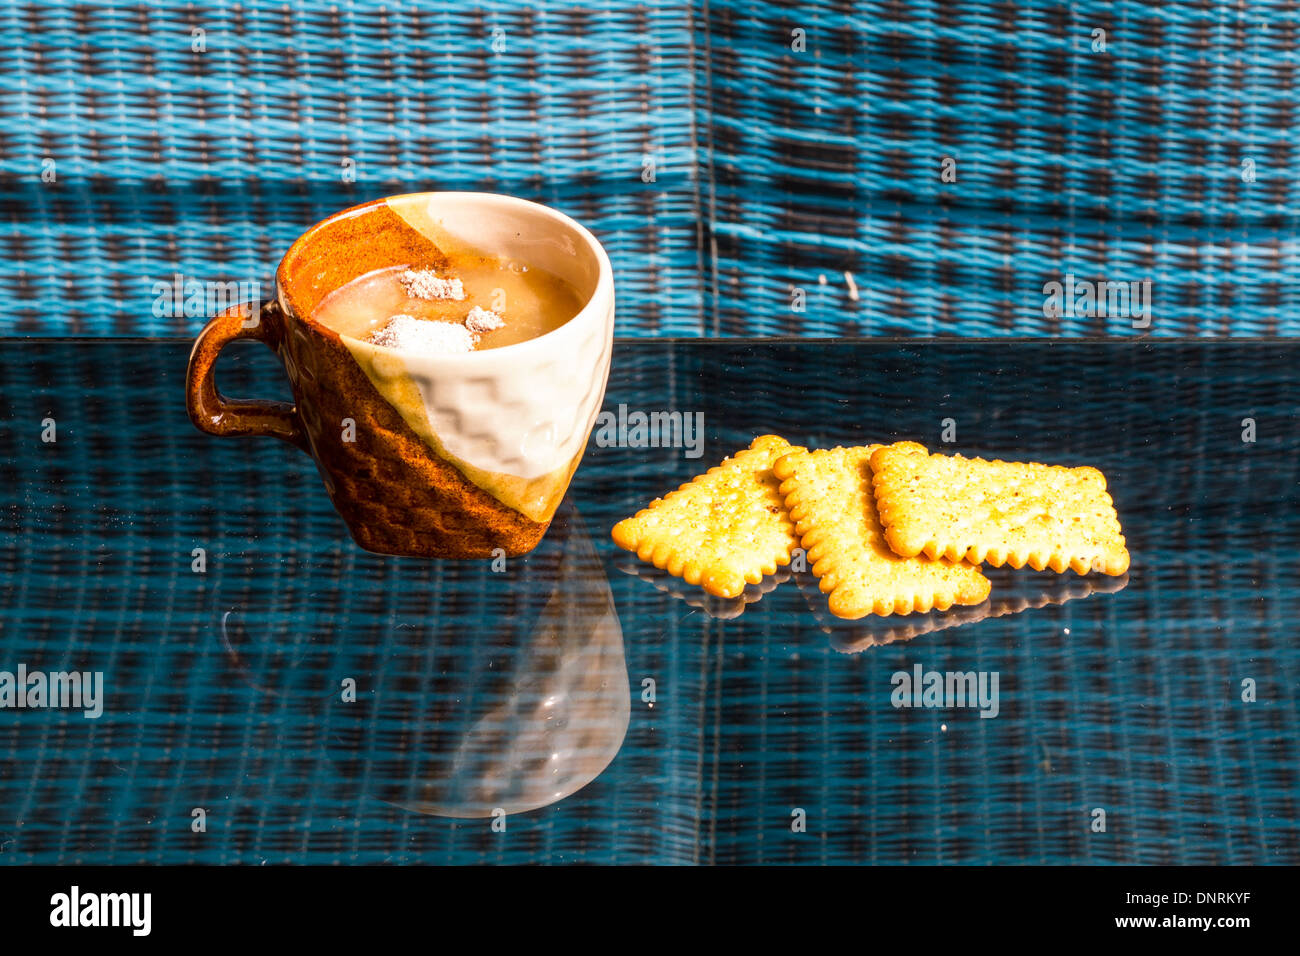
(210, 164)
(787, 166)
(1125, 164)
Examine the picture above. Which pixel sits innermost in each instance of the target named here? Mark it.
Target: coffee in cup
(437, 452)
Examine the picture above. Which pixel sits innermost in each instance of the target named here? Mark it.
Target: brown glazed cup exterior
(397, 494)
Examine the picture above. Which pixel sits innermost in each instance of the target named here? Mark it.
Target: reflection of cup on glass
(510, 721)
(428, 454)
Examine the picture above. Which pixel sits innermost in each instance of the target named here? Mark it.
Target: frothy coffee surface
(499, 301)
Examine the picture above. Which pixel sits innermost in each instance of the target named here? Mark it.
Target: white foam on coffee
(406, 333)
(427, 284)
(522, 399)
(483, 320)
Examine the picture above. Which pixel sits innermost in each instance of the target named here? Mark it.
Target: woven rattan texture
(223, 687)
(753, 167)
(209, 164)
(1111, 141)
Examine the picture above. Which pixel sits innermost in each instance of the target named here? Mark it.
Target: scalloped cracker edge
(997, 512)
(722, 530)
(828, 494)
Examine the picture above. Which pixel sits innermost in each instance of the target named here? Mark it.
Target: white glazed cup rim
(594, 311)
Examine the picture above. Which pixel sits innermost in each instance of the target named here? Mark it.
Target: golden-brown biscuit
(996, 512)
(829, 496)
(722, 530)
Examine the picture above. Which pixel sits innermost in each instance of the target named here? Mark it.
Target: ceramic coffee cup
(447, 455)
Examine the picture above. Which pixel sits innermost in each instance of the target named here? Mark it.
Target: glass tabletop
(272, 693)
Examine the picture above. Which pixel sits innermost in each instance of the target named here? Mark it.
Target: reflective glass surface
(272, 693)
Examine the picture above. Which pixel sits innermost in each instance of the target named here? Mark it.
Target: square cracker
(998, 512)
(724, 529)
(828, 494)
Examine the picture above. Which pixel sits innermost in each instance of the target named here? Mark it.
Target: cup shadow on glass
(513, 697)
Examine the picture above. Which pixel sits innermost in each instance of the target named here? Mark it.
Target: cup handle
(215, 414)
